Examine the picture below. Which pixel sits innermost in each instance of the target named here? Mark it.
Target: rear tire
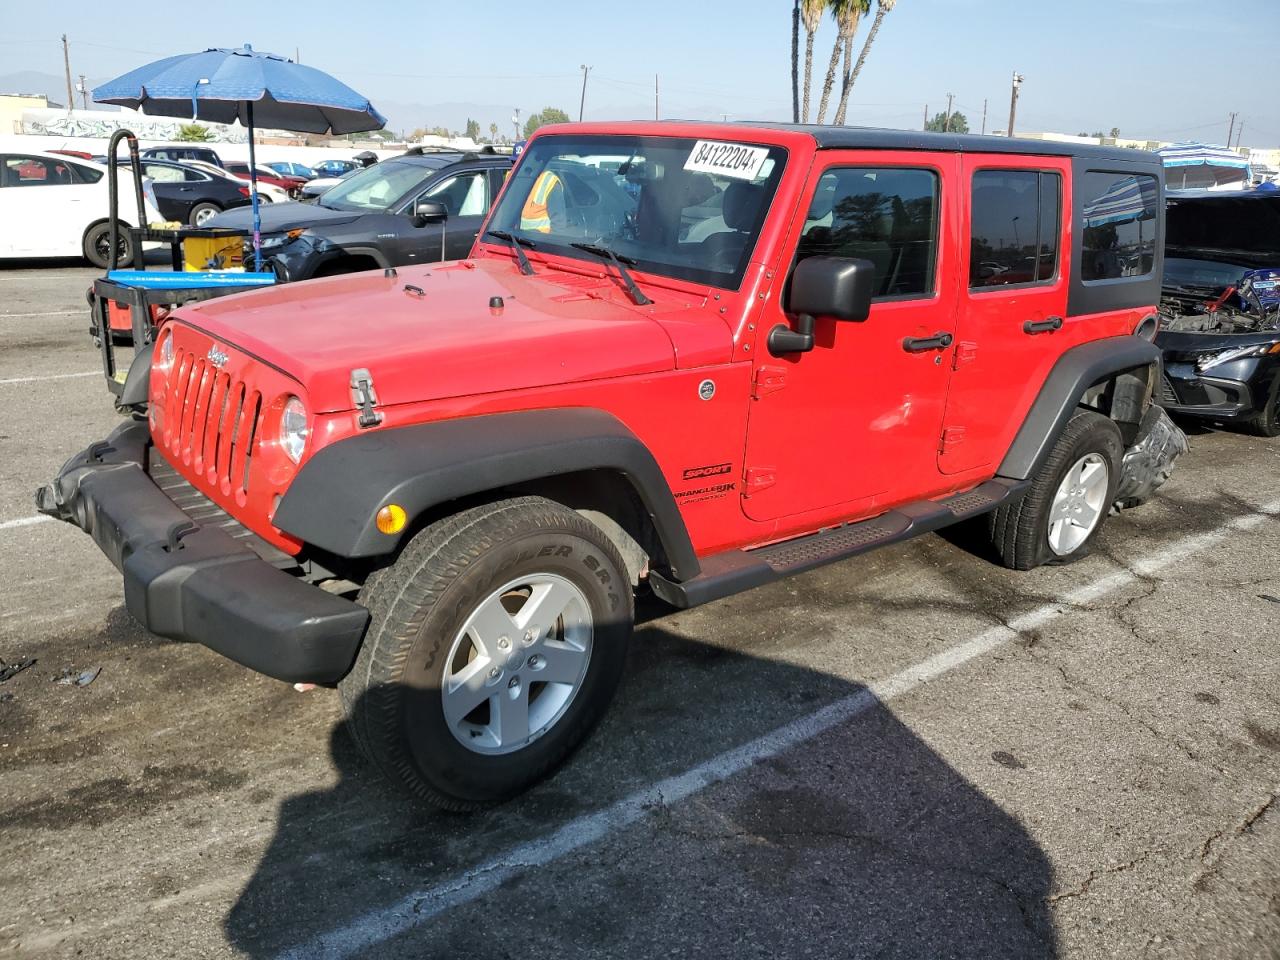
(96, 245)
(202, 212)
(476, 608)
(1059, 518)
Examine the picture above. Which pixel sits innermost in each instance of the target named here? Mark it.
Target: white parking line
(357, 937)
(24, 522)
(52, 376)
(45, 313)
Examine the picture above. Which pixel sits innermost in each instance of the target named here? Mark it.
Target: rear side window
(1014, 227)
(1119, 225)
(888, 215)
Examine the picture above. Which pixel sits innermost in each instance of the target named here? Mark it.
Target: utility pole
(1231, 127)
(515, 118)
(1013, 100)
(1239, 133)
(984, 115)
(655, 96)
(67, 64)
(84, 94)
(946, 124)
(583, 102)
(926, 117)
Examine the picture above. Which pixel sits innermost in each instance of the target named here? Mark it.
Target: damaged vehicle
(1220, 308)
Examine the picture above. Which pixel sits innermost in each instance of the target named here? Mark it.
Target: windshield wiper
(637, 295)
(517, 244)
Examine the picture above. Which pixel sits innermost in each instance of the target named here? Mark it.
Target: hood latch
(365, 397)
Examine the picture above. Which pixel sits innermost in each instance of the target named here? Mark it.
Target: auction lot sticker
(736, 160)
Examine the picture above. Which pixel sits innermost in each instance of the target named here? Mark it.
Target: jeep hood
(429, 332)
(278, 217)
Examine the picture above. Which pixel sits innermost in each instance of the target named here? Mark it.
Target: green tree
(548, 115)
(473, 129)
(493, 133)
(959, 123)
(882, 9)
(847, 14)
(811, 12)
(1098, 133)
(795, 61)
(194, 133)
(1115, 133)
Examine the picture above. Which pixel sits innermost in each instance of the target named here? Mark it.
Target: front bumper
(1186, 391)
(197, 583)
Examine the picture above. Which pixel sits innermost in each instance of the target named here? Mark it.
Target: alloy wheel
(1079, 504)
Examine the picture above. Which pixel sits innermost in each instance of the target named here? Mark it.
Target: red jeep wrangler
(695, 358)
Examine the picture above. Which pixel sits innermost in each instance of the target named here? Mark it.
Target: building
(12, 106)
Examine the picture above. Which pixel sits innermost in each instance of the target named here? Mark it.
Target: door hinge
(365, 398)
(966, 351)
(768, 380)
(950, 437)
(757, 479)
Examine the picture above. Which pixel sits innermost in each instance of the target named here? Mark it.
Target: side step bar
(735, 571)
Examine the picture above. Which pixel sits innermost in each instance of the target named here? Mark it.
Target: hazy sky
(1163, 69)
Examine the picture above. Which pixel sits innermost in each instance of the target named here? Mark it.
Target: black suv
(416, 208)
(183, 151)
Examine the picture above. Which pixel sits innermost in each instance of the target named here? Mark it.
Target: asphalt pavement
(914, 754)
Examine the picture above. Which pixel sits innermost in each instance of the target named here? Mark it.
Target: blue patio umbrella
(1193, 164)
(226, 85)
(1128, 199)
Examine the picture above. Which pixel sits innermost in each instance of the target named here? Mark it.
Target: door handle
(1042, 326)
(939, 341)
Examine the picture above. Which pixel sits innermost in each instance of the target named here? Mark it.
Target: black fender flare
(333, 501)
(1078, 369)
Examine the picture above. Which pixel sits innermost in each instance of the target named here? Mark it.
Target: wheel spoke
(563, 661)
(466, 690)
(510, 715)
(544, 606)
(1088, 516)
(489, 624)
(1092, 475)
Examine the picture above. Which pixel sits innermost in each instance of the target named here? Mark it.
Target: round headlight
(166, 350)
(293, 428)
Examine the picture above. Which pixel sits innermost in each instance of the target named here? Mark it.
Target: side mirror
(839, 287)
(429, 211)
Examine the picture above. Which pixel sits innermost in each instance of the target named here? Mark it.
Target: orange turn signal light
(391, 519)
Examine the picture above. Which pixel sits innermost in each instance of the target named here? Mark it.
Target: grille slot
(1167, 394)
(212, 421)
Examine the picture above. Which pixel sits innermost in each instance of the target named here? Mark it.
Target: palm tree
(847, 13)
(493, 132)
(795, 61)
(811, 12)
(882, 7)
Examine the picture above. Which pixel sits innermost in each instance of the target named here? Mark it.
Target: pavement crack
(1084, 885)
(1223, 838)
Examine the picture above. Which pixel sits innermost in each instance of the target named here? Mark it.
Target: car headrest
(741, 205)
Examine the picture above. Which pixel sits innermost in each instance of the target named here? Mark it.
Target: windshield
(683, 208)
(375, 188)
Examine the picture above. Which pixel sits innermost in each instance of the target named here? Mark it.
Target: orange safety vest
(535, 215)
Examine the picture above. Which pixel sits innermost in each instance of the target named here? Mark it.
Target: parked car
(183, 151)
(78, 154)
(439, 488)
(192, 196)
(53, 206)
(372, 218)
(266, 191)
(1220, 308)
(291, 169)
(291, 185)
(320, 185)
(334, 168)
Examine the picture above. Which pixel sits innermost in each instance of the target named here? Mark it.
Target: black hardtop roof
(876, 138)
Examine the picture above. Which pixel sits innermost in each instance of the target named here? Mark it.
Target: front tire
(1059, 518)
(96, 245)
(1266, 422)
(497, 641)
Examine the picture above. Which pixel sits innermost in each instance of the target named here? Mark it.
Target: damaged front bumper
(193, 582)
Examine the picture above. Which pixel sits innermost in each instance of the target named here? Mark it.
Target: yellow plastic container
(213, 253)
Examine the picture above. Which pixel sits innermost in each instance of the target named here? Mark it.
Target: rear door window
(1119, 225)
(1015, 222)
(887, 215)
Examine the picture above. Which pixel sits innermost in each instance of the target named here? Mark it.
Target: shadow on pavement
(860, 842)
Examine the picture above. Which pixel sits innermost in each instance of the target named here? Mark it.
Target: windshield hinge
(365, 397)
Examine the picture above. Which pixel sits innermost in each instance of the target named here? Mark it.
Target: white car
(266, 191)
(57, 206)
(316, 188)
